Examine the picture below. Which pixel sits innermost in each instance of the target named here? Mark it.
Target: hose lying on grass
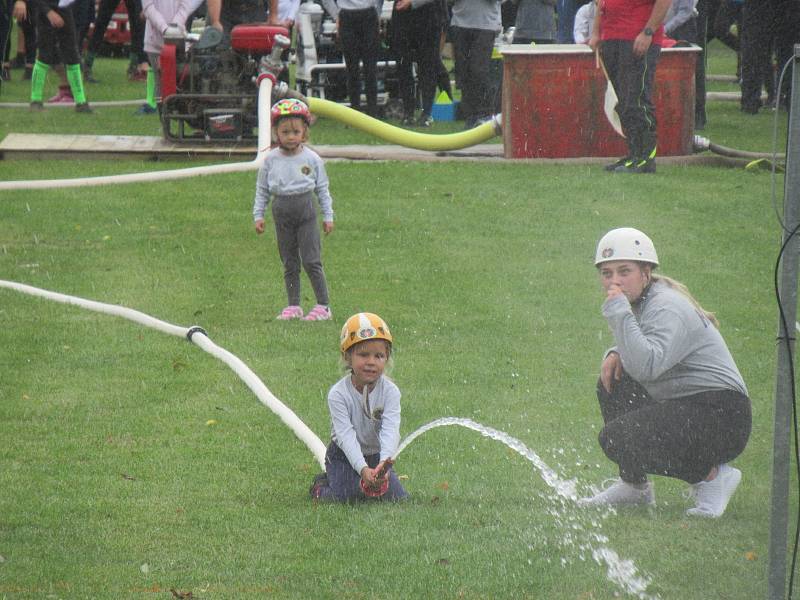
(197, 336)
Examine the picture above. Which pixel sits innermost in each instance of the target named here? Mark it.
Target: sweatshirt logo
(305, 170)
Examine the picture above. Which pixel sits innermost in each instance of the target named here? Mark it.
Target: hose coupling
(195, 329)
(701, 143)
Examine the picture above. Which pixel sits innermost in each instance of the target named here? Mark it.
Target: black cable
(787, 338)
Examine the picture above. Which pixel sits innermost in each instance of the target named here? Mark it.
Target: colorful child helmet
(362, 327)
(290, 107)
(626, 243)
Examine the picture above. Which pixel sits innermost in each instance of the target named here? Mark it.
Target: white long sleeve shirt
(160, 14)
(289, 175)
(362, 427)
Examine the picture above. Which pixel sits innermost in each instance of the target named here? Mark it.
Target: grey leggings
(682, 438)
(297, 233)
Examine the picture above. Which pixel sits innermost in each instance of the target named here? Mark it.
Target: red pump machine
(209, 89)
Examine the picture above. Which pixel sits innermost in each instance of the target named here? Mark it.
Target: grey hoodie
(669, 347)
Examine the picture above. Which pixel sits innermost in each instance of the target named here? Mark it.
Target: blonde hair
(683, 290)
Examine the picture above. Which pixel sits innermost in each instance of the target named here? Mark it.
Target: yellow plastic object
(398, 135)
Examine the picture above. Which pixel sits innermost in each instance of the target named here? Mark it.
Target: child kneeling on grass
(365, 419)
(290, 175)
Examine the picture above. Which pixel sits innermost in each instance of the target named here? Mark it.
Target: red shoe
(137, 74)
(64, 96)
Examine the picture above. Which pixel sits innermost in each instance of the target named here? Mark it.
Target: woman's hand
(327, 227)
(613, 291)
(610, 370)
(260, 226)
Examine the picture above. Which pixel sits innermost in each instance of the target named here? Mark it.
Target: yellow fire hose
(400, 136)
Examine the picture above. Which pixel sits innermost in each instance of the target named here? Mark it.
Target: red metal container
(553, 98)
(255, 38)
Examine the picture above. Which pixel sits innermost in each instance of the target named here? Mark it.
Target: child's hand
(368, 475)
(55, 19)
(327, 227)
(260, 226)
(371, 485)
(20, 10)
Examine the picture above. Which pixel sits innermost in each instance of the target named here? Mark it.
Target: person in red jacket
(628, 34)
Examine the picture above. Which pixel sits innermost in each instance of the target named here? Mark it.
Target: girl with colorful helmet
(672, 399)
(365, 418)
(291, 176)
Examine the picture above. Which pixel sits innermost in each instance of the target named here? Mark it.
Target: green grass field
(135, 464)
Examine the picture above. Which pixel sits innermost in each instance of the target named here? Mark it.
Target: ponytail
(682, 289)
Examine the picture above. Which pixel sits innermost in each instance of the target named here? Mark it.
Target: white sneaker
(621, 493)
(711, 497)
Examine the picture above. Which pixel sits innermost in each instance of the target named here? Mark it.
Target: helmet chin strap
(365, 401)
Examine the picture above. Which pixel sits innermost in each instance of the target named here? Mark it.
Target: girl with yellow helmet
(672, 399)
(365, 418)
(290, 176)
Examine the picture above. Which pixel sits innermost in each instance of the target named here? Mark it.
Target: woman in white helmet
(672, 399)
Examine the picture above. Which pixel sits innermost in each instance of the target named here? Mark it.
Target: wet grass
(134, 463)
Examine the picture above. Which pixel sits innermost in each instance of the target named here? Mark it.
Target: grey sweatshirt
(285, 175)
(477, 14)
(362, 427)
(669, 347)
(334, 6)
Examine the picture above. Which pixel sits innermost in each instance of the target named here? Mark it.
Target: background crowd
(761, 32)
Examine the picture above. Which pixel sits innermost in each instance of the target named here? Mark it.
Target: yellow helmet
(362, 327)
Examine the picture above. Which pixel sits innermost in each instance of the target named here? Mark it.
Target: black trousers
(701, 24)
(358, 32)
(683, 438)
(104, 13)
(632, 77)
(766, 24)
(473, 57)
(57, 45)
(415, 39)
(688, 32)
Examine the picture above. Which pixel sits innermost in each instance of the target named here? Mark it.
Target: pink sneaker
(290, 312)
(318, 313)
(64, 96)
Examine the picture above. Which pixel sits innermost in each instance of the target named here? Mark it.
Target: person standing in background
(416, 31)
(358, 26)
(628, 35)
(474, 25)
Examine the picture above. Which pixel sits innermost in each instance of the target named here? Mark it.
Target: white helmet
(626, 243)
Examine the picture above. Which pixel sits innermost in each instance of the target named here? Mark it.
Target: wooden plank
(23, 145)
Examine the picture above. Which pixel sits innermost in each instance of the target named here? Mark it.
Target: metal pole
(782, 440)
